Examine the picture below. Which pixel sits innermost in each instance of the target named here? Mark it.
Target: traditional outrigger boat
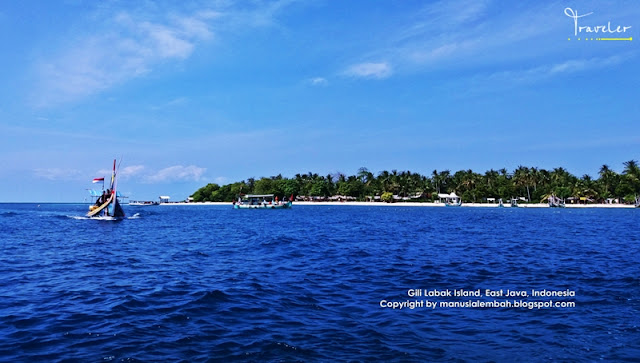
(107, 204)
(555, 202)
(144, 202)
(261, 201)
(450, 200)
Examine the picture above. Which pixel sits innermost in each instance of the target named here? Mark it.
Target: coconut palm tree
(607, 180)
(490, 179)
(631, 176)
(384, 180)
(523, 177)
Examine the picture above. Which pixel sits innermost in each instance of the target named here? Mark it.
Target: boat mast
(112, 207)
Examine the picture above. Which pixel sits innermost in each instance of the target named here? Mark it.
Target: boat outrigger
(145, 203)
(555, 202)
(261, 201)
(450, 200)
(107, 203)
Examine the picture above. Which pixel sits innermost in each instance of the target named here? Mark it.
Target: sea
(319, 284)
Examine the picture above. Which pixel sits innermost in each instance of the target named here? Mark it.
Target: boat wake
(102, 218)
(78, 217)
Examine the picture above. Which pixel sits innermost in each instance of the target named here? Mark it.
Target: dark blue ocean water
(196, 283)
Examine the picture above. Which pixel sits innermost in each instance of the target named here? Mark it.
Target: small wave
(279, 240)
(213, 296)
(78, 217)
(105, 218)
(101, 218)
(8, 214)
(135, 216)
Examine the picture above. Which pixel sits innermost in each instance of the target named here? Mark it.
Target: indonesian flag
(98, 180)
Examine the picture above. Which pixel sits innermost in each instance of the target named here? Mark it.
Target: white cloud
(467, 34)
(369, 70)
(569, 66)
(318, 81)
(123, 45)
(57, 173)
(128, 49)
(144, 174)
(176, 173)
(221, 180)
(131, 170)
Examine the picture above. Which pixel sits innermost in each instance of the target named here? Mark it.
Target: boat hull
(110, 208)
(453, 204)
(263, 206)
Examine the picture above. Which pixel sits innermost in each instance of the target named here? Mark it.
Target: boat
(143, 202)
(555, 202)
(107, 203)
(261, 201)
(450, 200)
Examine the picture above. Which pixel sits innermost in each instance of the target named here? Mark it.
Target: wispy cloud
(148, 175)
(130, 48)
(57, 173)
(569, 66)
(318, 81)
(176, 173)
(178, 101)
(221, 180)
(475, 35)
(369, 70)
(446, 15)
(129, 44)
(131, 170)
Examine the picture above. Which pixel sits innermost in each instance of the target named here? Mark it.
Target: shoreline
(416, 204)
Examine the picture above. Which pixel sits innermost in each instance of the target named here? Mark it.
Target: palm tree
(435, 179)
(584, 188)
(607, 178)
(490, 178)
(365, 175)
(523, 177)
(631, 174)
(631, 168)
(384, 179)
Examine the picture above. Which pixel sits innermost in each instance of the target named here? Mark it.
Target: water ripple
(202, 283)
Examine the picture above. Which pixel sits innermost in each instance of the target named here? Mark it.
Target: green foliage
(264, 186)
(204, 194)
(530, 182)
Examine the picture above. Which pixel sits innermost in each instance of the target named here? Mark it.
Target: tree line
(532, 183)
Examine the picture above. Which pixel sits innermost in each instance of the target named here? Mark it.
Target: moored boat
(555, 202)
(261, 201)
(450, 200)
(107, 203)
(143, 202)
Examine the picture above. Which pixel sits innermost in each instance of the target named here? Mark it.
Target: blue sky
(193, 92)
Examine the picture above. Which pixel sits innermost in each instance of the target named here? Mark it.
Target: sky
(195, 92)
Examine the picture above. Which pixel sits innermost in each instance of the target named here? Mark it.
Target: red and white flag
(98, 180)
